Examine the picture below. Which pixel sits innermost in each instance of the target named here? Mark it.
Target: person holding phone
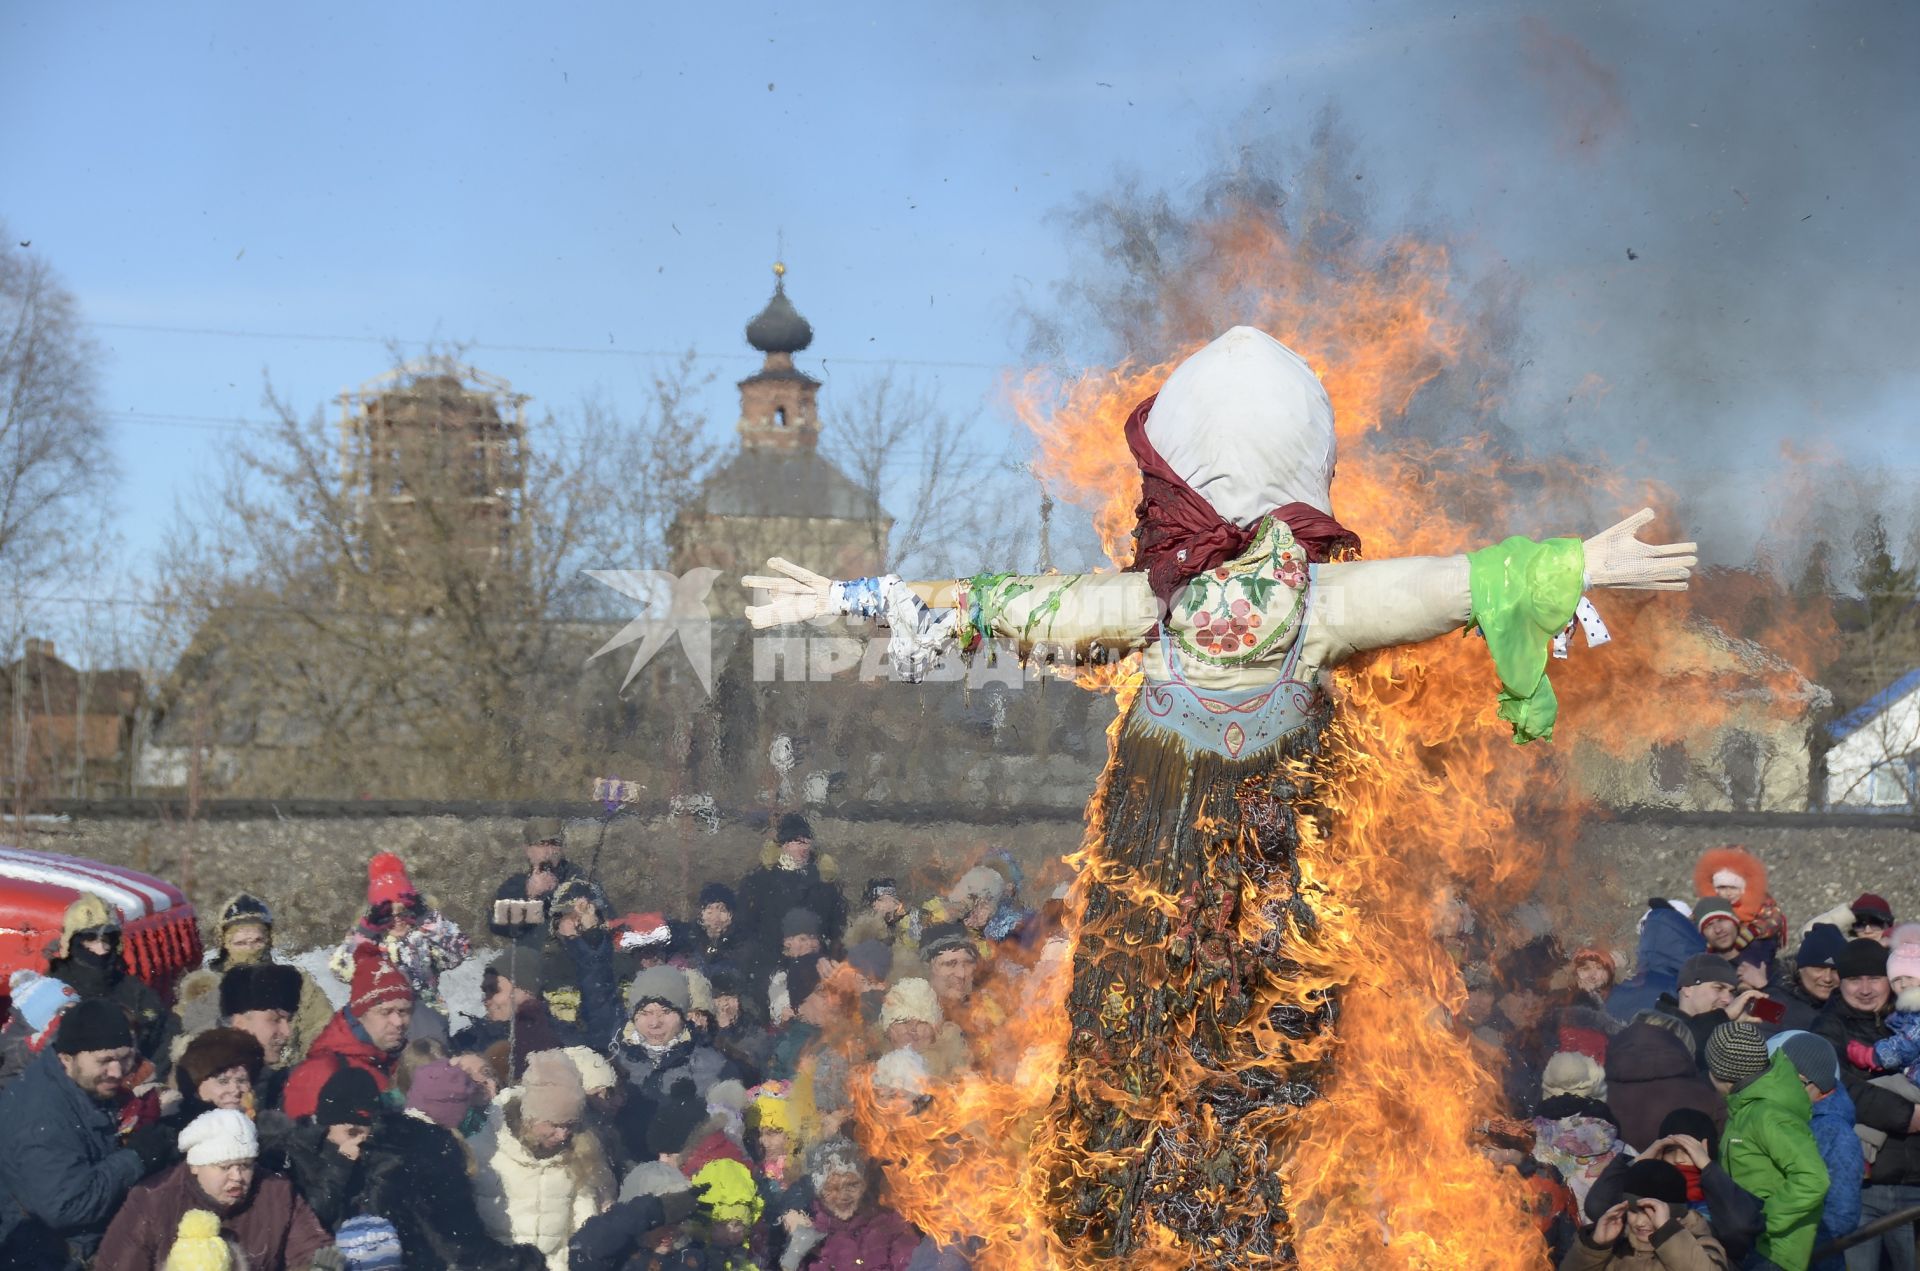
(522, 902)
(1651, 1226)
(1709, 995)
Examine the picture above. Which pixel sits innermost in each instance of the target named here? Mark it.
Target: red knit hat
(1580, 1040)
(387, 880)
(375, 980)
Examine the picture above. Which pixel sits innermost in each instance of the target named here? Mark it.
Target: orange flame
(1426, 795)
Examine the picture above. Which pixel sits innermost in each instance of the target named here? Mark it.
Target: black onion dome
(779, 328)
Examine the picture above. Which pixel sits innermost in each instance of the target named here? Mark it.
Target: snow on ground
(460, 986)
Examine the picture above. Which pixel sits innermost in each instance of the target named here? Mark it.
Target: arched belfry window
(780, 417)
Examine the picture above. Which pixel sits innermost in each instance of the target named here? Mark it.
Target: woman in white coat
(540, 1175)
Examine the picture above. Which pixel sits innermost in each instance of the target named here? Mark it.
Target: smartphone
(1766, 1010)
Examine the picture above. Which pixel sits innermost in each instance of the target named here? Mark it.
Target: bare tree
(651, 467)
(53, 446)
(423, 639)
(55, 473)
(951, 495)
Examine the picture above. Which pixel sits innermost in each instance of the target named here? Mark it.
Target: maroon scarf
(1179, 534)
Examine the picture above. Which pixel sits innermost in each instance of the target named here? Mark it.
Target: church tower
(778, 495)
(779, 405)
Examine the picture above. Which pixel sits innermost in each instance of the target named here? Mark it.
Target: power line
(610, 351)
(317, 611)
(238, 423)
(256, 608)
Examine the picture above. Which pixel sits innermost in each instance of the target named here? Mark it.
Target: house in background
(66, 732)
(1874, 762)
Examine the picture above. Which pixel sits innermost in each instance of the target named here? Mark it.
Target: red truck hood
(162, 939)
(133, 894)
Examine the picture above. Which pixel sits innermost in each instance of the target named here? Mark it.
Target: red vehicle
(160, 938)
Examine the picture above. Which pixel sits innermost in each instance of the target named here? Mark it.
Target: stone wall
(1814, 862)
(311, 868)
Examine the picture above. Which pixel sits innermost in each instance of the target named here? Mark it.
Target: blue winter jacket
(1667, 939)
(63, 1172)
(1832, 1127)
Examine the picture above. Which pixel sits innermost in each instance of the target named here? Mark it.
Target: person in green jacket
(1768, 1145)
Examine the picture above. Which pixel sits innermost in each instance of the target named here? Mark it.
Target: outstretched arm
(1519, 593)
(1065, 612)
(1362, 605)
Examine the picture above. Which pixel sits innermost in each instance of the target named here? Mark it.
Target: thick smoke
(1683, 234)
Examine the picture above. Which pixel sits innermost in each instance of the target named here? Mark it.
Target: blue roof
(1854, 720)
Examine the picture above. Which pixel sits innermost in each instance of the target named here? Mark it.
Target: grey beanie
(1707, 968)
(1811, 1055)
(660, 984)
(654, 1178)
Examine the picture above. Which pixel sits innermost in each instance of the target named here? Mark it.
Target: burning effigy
(1250, 1055)
(1200, 1017)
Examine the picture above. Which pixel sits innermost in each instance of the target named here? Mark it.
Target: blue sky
(615, 177)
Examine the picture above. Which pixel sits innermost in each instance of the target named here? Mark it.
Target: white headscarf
(1248, 425)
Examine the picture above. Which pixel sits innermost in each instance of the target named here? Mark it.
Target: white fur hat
(910, 1000)
(1570, 1072)
(982, 882)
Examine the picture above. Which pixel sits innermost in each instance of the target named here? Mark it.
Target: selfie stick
(616, 796)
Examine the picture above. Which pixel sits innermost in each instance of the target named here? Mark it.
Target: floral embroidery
(1238, 612)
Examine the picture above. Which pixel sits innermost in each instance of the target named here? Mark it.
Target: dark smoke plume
(1683, 234)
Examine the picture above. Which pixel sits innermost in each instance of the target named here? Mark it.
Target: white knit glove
(919, 634)
(1615, 558)
(796, 595)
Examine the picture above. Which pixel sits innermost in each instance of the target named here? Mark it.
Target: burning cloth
(1243, 590)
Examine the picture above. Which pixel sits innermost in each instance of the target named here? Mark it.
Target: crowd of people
(635, 1092)
(645, 1092)
(1737, 1093)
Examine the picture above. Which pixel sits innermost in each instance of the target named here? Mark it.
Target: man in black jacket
(1709, 995)
(791, 877)
(718, 937)
(1857, 1012)
(1814, 980)
(547, 868)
